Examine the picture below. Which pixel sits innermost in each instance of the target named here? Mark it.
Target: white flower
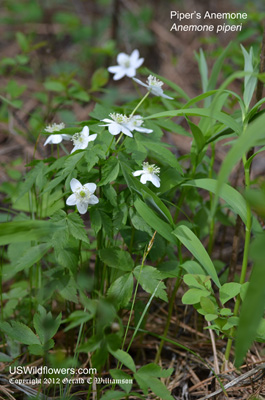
(55, 139)
(149, 173)
(127, 65)
(81, 139)
(82, 195)
(122, 123)
(135, 124)
(118, 123)
(54, 127)
(154, 85)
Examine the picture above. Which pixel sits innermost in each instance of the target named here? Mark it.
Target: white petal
(91, 187)
(115, 128)
(134, 56)
(82, 207)
(107, 120)
(48, 140)
(114, 69)
(71, 201)
(75, 184)
(126, 131)
(145, 177)
(74, 149)
(84, 144)
(139, 172)
(155, 180)
(93, 200)
(119, 74)
(166, 96)
(138, 63)
(55, 139)
(157, 91)
(130, 72)
(91, 138)
(145, 130)
(122, 58)
(140, 82)
(66, 137)
(85, 131)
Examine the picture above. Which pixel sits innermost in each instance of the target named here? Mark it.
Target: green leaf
(250, 80)
(163, 228)
(251, 137)
(99, 78)
(5, 358)
(228, 291)
(80, 95)
(203, 69)
(163, 154)
(19, 332)
(230, 195)
(217, 68)
(96, 221)
(113, 395)
(121, 290)
(22, 41)
(71, 161)
(30, 179)
(149, 278)
(68, 258)
(202, 112)
(31, 256)
(116, 258)
(253, 305)
(147, 376)
(76, 227)
(110, 171)
(198, 136)
(208, 306)
(193, 244)
(17, 231)
(194, 281)
(192, 267)
(193, 296)
(159, 389)
(139, 223)
(121, 375)
(154, 370)
(54, 86)
(124, 358)
(45, 325)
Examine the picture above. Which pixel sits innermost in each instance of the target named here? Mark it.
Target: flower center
(83, 193)
(153, 81)
(127, 64)
(119, 118)
(137, 121)
(151, 168)
(77, 138)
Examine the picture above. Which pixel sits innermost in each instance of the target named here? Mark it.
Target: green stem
(119, 138)
(211, 228)
(64, 149)
(180, 202)
(138, 105)
(170, 307)
(244, 263)
(112, 140)
(170, 311)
